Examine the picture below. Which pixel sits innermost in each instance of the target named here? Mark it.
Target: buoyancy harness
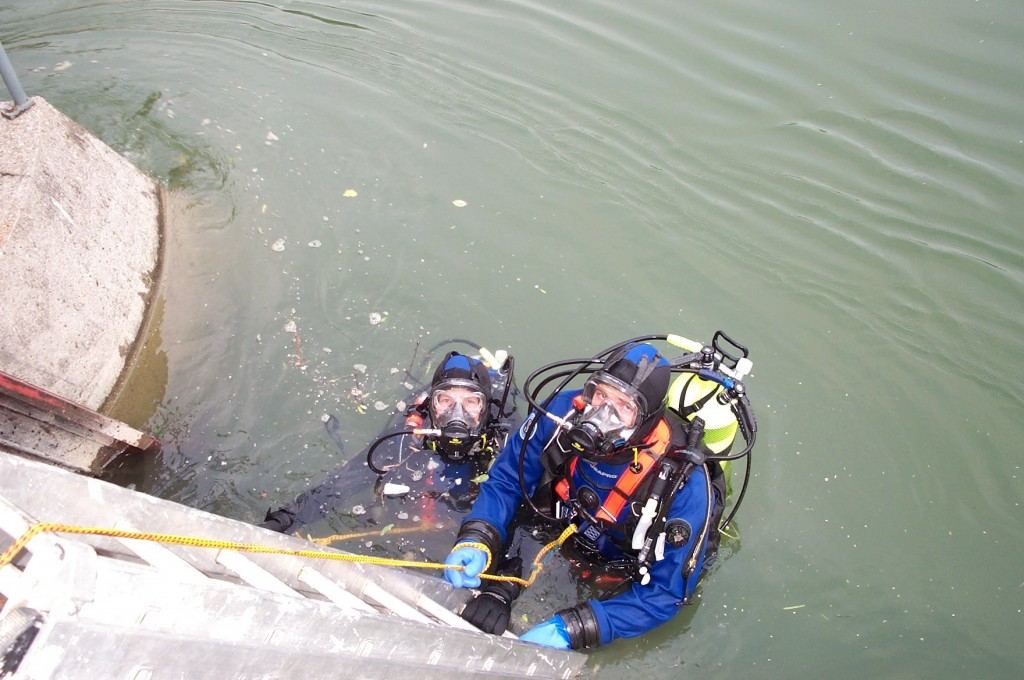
(644, 462)
(634, 513)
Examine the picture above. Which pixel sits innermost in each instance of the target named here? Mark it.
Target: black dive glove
(279, 520)
(491, 610)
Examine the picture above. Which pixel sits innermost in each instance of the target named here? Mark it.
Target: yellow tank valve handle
(490, 359)
(683, 343)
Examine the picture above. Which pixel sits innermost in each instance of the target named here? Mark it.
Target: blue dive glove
(472, 559)
(551, 633)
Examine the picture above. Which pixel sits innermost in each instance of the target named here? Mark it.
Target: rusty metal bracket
(35, 403)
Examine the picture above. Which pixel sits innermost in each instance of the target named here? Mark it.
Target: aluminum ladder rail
(87, 606)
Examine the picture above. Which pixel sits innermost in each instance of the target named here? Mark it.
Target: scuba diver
(634, 465)
(432, 453)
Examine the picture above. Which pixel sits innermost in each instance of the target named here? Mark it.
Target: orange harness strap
(655, 445)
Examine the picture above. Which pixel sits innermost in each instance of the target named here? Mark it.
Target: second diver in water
(436, 452)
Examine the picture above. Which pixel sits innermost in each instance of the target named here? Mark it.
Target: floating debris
(358, 510)
(350, 193)
(278, 245)
(395, 489)
(325, 417)
(315, 243)
(400, 406)
(379, 405)
(375, 318)
(62, 66)
(459, 203)
(360, 367)
(271, 137)
(290, 327)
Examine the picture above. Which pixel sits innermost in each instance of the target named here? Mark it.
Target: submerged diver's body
(427, 462)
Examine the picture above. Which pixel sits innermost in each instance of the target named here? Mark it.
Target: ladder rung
(332, 591)
(252, 573)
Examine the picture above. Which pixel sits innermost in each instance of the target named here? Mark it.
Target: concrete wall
(80, 231)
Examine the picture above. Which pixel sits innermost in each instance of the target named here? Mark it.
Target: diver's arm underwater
(337, 487)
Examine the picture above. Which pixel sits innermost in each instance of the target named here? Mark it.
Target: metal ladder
(85, 606)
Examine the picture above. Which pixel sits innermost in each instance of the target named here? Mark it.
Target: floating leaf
(479, 479)
(387, 529)
(350, 193)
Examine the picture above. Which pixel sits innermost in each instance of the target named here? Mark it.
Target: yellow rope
(19, 544)
(327, 540)
(23, 540)
(537, 566)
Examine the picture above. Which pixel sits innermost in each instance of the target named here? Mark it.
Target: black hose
(378, 442)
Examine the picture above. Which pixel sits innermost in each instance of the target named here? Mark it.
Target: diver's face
(624, 406)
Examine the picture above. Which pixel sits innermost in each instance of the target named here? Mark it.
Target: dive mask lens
(624, 400)
(454, 403)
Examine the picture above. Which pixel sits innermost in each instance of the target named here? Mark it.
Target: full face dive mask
(608, 419)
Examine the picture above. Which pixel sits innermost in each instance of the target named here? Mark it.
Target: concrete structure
(80, 232)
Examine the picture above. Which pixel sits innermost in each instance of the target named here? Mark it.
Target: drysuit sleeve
(644, 607)
(500, 495)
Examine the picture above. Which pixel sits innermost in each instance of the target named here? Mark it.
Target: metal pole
(21, 102)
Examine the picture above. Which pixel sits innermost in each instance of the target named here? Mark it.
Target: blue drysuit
(639, 608)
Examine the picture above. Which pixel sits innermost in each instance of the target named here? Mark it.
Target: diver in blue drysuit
(597, 473)
(446, 439)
